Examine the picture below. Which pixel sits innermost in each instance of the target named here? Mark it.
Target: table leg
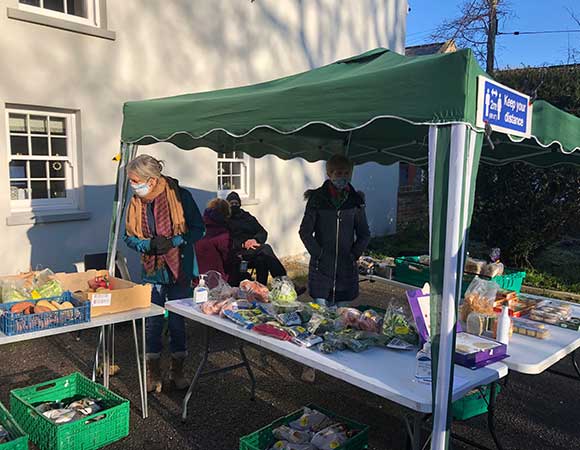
(414, 437)
(142, 391)
(105, 357)
(490, 422)
(249, 370)
(198, 373)
(107, 367)
(490, 416)
(201, 373)
(113, 348)
(96, 360)
(575, 365)
(575, 362)
(144, 337)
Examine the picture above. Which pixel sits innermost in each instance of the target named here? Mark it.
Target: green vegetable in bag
(283, 291)
(396, 325)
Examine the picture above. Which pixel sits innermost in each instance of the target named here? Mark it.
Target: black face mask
(235, 210)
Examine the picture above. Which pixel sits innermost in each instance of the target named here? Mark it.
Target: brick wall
(413, 207)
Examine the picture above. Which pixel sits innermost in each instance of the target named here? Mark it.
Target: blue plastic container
(12, 323)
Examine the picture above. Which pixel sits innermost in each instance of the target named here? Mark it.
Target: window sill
(35, 218)
(61, 24)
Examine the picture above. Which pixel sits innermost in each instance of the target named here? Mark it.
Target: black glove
(160, 245)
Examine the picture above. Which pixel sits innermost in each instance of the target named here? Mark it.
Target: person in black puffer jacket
(335, 232)
(249, 243)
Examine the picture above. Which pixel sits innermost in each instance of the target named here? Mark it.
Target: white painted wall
(168, 48)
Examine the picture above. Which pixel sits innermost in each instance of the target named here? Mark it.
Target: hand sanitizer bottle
(201, 292)
(423, 369)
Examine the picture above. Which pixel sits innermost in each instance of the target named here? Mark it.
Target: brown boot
(176, 374)
(308, 375)
(154, 378)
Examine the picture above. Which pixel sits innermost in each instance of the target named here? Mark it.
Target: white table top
(107, 319)
(533, 356)
(527, 354)
(384, 372)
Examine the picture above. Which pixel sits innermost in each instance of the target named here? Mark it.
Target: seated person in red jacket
(214, 249)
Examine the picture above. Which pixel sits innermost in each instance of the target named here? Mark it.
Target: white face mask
(141, 189)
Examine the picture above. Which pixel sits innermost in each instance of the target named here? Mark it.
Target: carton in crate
(89, 433)
(123, 296)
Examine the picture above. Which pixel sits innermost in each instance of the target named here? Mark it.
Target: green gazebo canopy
(380, 107)
(377, 105)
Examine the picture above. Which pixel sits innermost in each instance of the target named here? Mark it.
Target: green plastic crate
(408, 270)
(473, 403)
(19, 439)
(263, 438)
(96, 431)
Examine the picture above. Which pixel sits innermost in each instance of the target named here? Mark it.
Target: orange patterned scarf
(134, 222)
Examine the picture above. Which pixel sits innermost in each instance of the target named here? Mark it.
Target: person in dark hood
(335, 232)
(249, 241)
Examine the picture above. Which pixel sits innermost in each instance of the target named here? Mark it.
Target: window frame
(93, 18)
(245, 174)
(70, 162)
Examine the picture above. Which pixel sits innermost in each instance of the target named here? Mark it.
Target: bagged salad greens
(398, 324)
(283, 290)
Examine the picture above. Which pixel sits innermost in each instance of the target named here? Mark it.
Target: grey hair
(337, 161)
(145, 167)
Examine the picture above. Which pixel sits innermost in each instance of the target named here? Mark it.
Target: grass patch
(544, 280)
(557, 267)
(411, 241)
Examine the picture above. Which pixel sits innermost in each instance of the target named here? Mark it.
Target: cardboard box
(124, 296)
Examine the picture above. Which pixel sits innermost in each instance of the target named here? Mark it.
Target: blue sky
(512, 51)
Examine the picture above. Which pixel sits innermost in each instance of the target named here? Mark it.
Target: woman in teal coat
(163, 222)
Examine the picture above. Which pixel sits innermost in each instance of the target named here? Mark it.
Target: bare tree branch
(573, 53)
(471, 27)
(575, 17)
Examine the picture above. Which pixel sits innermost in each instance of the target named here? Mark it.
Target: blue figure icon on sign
(487, 101)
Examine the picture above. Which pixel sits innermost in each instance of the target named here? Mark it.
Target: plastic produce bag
(59, 416)
(255, 291)
(493, 269)
(398, 324)
(311, 420)
(330, 438)
(479, 297)
(370, 320)
(319, 324)
(285, 433)
(350, 316)
(86, 406)
(283, 290)
(45, 286)
(285, 445)
(214, 307)
(15, 290)
(287, 307)
(218, 288)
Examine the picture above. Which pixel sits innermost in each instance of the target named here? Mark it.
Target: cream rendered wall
(167, 48)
